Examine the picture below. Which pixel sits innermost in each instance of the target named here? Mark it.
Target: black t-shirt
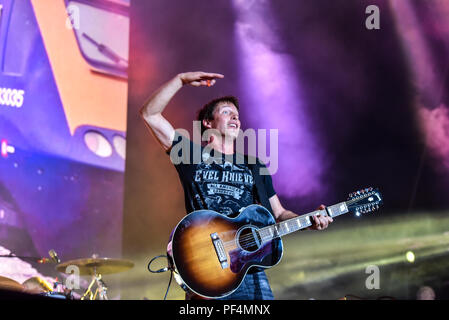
(212, 180)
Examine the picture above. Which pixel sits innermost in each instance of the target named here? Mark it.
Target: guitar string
(249, 240)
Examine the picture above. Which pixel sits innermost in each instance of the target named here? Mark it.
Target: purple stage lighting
(273, 96)
(418, 35)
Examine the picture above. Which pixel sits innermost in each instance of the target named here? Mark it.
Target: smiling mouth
(233, 126)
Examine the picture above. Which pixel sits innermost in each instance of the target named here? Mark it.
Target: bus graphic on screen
(63, 102)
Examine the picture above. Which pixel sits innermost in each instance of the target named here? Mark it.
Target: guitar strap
(260, 187)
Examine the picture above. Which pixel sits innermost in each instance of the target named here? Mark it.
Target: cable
(169, 282)
(162, 270)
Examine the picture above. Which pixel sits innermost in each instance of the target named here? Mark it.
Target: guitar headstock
(364, 201)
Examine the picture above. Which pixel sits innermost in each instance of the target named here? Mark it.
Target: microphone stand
(40, 260)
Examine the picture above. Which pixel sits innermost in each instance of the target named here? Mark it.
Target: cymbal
(90, 266)
(9, 284)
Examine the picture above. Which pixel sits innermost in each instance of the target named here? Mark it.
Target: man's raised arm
(152, 109)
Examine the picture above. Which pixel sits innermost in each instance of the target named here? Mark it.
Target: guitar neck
(301, 222)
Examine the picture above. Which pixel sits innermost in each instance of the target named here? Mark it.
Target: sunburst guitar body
(211, 253)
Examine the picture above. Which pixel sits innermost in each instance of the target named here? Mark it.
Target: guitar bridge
(219, 250)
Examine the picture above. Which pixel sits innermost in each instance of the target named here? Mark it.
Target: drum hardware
(96, 267)
(101, 290)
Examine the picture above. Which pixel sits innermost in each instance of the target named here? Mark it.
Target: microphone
(44, 260)
(54, 256)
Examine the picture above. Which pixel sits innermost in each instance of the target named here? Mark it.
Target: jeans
(254, 286)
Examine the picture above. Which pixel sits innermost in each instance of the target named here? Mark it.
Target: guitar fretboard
(301, 222)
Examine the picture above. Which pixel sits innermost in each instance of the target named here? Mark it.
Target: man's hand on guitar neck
(320, 222)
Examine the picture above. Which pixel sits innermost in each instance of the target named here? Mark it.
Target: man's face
(226, 120)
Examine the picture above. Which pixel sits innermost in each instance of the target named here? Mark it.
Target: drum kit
(94, 267)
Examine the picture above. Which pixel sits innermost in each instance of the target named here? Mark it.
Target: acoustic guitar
(211, 253)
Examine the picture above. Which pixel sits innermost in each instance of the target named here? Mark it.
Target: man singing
(226, 185)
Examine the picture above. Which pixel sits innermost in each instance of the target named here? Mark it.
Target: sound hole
(249, 239)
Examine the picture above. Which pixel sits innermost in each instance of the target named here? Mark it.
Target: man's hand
(199, 78)
(320, 222)
(151, 110)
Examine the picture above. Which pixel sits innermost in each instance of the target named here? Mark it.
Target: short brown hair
(207, 111)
